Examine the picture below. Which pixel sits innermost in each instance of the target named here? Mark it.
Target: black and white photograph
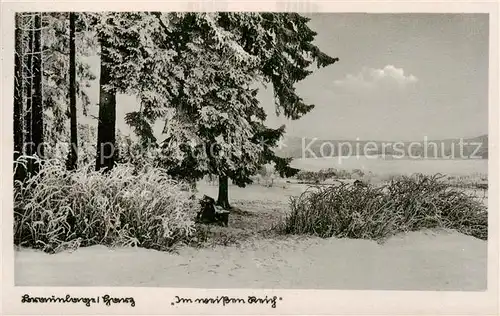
(250, 150)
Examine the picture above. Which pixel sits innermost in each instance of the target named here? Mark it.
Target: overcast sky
(400, 77)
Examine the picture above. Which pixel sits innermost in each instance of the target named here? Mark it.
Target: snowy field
(395, 166)
(416, 261)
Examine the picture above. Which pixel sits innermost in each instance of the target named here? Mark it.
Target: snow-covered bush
(127, 206)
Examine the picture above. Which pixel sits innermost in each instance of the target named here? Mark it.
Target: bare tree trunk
(28, 145)
(73, 154)
(106, 137)
(18, 97)
(223, 198)
(37, 105)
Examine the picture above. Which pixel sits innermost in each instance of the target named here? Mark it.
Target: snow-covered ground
(414, 261)
(427, 260)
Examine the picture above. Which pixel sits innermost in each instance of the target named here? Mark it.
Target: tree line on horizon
(197, 72)
(297, 147)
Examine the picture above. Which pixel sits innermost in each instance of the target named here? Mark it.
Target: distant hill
(296, 147)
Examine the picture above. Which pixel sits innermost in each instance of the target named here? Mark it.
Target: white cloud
(369, 78)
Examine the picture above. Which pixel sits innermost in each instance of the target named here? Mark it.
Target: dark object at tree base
(211, 213)
(359, 183)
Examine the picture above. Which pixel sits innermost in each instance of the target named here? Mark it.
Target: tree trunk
(18, 97)
(106, 137)
(223, 199)
(28, 145)
(73, 153)
(37, 117)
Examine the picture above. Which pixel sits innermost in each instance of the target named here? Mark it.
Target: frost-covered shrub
(127, 206)
(407, 203)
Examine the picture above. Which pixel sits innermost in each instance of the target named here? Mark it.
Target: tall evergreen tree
(283, 42)
(216, 90)
(106, 128)
(73, 153)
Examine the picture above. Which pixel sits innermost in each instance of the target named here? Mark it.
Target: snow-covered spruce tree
(207, 128)
(283, 44)
(175, 63)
